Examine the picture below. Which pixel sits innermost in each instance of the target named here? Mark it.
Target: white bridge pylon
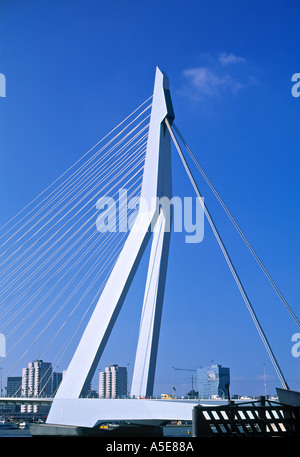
(157, 183)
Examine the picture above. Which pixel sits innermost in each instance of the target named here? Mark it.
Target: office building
(56, 380)
(113, 382)
(14, 385)
(13, 389)
(213, 381)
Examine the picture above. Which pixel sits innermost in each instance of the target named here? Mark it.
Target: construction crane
(181, 369)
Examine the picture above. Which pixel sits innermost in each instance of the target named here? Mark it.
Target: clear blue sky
(74, 69)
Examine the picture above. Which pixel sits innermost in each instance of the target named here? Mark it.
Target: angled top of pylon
(162, 77)
(161, 83)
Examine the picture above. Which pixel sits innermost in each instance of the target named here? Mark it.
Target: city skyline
(181, 385)
(231, 85)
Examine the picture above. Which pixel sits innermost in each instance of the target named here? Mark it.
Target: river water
(175, 431)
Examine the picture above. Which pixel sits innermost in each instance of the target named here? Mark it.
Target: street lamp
(1, 380)
(265, 380)
(173, 382)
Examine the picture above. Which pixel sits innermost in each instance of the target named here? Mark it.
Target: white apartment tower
(36, 382)
(37, 379)
(113, 382)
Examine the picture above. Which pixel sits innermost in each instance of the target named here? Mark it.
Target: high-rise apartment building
(36, 382)
(37, 379)
(113, 382)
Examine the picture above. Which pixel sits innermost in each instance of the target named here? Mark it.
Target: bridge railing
(246, 419)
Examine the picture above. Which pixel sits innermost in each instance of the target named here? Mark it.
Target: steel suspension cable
(112, 254)
(229, 262)
(24, 305)
(54, 207)
(68, 342)
(72, 166)
(68, 221)
(236, 225)
(65, 253)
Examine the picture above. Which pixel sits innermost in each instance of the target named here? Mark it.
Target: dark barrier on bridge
(250, 419)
